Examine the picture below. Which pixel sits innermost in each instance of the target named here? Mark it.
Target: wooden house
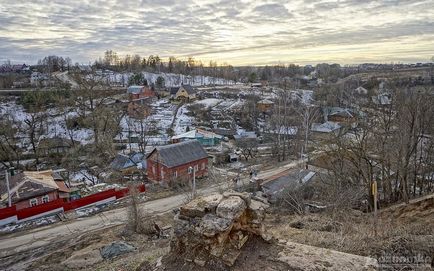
(186, 93)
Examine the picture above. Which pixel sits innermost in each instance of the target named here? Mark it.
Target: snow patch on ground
(210, 102)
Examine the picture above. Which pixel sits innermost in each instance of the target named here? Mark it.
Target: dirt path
(42, 236)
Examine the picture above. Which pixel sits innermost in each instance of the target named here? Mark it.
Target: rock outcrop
(215, 227)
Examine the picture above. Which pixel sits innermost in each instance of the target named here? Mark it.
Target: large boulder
(115, 249)
(201, 206)
(214, 228)
(231, 207)
(212, 225)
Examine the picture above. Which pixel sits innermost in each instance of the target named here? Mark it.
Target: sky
(238, 32)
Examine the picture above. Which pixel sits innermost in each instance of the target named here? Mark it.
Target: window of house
(33, 202)
(45, 199)
(175, 174)
(153, 169)
(203, 166)
(196, 167)
(162, 173)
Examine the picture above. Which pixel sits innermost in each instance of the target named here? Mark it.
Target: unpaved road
(21, 241)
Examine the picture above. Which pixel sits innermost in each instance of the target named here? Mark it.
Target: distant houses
(16, 68)
(138, 96)
(56, 145)
(38, 79)
(225, 132)
(325, 130)
(139, 92)
(177, 161)
(339, 114)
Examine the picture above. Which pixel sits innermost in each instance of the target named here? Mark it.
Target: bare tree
(248, 147)
(10, 152)
(308, 114)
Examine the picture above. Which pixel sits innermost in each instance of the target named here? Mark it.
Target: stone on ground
(115, 249)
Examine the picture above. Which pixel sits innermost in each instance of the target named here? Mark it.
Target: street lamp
(192, 170)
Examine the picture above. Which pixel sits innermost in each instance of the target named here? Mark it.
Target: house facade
(31, 188)
(185, 92)
(265, 105)
(139, 96)
(139, 92)
(171, 163)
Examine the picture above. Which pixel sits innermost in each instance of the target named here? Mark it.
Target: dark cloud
(272, 10)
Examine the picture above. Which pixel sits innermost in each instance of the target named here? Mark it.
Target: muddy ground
(403, 229)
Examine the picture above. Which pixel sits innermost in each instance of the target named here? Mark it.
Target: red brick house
(31, 188)
(171, 162)
(140, 92)
(138, 101)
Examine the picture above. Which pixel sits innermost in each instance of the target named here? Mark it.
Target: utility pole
(8, 187)
(193, 170)
(374, 194)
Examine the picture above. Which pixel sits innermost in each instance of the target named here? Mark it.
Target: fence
(12, 215)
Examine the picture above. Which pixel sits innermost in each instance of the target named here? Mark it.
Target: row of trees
(192, 66)
(54, 63)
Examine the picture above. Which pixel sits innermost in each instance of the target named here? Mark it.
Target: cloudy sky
(238, 32)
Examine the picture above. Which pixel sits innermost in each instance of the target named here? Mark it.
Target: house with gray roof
(176, 162)
(184, 92)
(128, 164)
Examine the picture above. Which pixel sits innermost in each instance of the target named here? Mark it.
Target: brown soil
(256, 255)
(50, 257)
(401, 229)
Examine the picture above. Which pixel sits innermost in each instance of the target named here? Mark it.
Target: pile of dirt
(255, 255)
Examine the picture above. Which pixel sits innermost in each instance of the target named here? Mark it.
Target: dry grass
(354, 232)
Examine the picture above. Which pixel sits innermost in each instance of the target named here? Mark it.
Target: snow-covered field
(171, 79)
(182, 121)
(210, 102)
